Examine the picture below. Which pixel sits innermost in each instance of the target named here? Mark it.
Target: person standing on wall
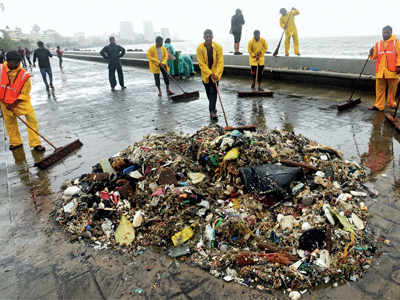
(287, 23)
(59, 53)
(113, 53)
(158, 57)
(42, 54)
(211, 62)
(387, 55)
(257, 49)
(237, 21)
(15, 100)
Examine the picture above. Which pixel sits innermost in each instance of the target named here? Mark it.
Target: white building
(165, 33)
(148, 30)
(126, 30)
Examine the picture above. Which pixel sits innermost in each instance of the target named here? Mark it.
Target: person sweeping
(211, 63)
(15, 100)
(287, 23)
(257, 49)
(387, 55)
(158, 57)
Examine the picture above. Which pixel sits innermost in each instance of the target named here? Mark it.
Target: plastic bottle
(179, 251)
(210, 235)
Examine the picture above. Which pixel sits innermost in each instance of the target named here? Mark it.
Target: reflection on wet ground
(38, 262)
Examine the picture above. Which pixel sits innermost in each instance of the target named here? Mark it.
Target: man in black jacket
(112, 53)
(42, 55)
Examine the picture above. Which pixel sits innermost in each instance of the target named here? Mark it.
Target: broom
(258, 93)
(230, 128)
(185, 96)
(58, 154)
(280, 41)
(353, 102)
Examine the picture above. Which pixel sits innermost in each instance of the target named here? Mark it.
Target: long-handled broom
(58, 154)
(353, 102)
(227, 127)
(186, 95)
(280, 41)
(257, 93)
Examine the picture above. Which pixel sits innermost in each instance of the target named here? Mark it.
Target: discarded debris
(268, 210)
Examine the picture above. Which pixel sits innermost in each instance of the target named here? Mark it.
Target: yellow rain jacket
(23, 108)
(255, 47)
(154, 62)
(383, 70)
(291, 29)
(218, 61)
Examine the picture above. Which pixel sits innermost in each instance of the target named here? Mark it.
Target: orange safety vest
(9, 92)
(389, 52)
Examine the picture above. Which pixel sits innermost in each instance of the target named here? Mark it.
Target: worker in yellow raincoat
(211, 62)
(287, 23)
(257, 49)
(15, 100)
(387, 55)
(158, 57)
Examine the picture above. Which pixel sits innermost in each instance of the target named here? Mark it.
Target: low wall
(310, 70)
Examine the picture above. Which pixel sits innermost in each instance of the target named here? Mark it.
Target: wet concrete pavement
(37, 261)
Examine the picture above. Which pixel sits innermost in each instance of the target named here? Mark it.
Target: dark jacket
(237, 22)
(42, 54)
(112, 53)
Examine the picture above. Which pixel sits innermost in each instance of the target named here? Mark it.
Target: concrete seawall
(321, 71)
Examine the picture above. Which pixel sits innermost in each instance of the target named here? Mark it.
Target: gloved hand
(12, 105)
(214, 77)
(371, 51)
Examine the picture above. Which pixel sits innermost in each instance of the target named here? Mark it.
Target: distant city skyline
(316, 19)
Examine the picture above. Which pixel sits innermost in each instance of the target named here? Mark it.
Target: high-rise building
(148, 30)
(126, 31)
(165, 33)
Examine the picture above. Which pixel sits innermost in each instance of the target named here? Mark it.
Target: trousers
(211, 92)
(11, 124)
(165, 77)
(45, 71)
(111, 75)
(295, 38)
(381, 85)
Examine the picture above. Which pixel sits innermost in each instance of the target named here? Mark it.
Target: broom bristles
(58, 154)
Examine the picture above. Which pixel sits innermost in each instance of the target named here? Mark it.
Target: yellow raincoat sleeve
(283, 22)
(26, 91)
(265, 47)
(284, 19)
(203, 63)
(220, 62)
(165, 55)
(375, 54)
(152, 55)
(250, 49)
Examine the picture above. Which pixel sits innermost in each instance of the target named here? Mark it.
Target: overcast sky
(189, 18)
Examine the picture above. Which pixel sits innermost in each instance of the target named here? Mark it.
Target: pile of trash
(268, 210)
